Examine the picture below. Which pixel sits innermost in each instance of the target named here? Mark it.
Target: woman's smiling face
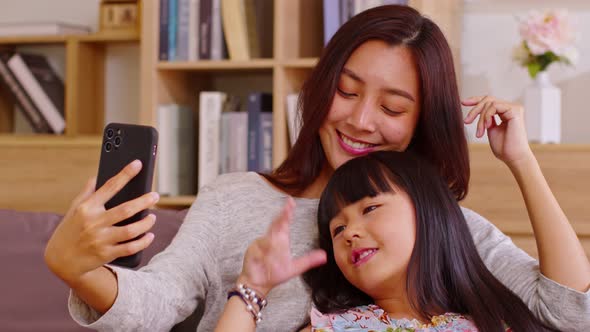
(376, 106)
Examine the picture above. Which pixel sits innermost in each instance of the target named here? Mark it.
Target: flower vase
(542, 102)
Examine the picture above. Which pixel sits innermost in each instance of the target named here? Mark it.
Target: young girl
(400, 257)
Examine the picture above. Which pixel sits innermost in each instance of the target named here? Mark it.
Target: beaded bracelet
(250, 298)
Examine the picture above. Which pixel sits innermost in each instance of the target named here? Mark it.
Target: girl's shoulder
(373, 318)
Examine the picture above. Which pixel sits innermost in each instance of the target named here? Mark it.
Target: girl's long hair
(445, 272)
(439, 136)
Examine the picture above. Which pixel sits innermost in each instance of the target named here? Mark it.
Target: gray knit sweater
(204, 259)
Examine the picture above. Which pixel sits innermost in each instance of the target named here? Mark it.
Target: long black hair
(439, 136)
(445, 272)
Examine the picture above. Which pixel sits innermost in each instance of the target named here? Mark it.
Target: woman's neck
(314, 190)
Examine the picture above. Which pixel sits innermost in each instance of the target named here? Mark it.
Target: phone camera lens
(110, 133)
(117, 141)
(108, 146)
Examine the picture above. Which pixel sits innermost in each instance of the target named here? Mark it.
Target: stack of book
(36, 89)
(231, 138)
(215, 29)
(337, 12)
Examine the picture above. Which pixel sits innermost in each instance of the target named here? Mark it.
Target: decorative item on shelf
(119, 15)
(547, 37)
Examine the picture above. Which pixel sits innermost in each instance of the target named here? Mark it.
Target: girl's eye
(337, 230)
(369, 209)
(346, 94)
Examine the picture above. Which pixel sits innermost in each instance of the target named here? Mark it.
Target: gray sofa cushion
(31, 297)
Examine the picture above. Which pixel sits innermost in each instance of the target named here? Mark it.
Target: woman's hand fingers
(132, 247)
(130, 208)
(116, 183)
(133, 230)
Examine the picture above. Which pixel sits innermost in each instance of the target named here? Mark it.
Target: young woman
(385, 81)
(400, 257)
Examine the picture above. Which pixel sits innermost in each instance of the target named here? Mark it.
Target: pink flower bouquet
(547, 37)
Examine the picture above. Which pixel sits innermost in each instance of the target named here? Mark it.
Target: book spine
(265, 151)
(165, 177)
(164, 15)
(216, 31)
(240, 153)
(42, 101)
(172, 28)
(331, 18)
(205, 12)
(257, 104)
(183, 30)
(32, 115)
(193, 33)
(210, 107)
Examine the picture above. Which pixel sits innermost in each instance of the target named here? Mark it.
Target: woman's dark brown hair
(445, 272)
(439, 136)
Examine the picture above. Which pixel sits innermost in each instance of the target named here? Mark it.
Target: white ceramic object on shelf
(542, 114)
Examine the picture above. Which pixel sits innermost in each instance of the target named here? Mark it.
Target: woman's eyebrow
(392, 91)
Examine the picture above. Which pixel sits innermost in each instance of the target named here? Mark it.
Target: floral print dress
(372, 318)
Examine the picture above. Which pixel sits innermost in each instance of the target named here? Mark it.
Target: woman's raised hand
(87, 237)
(508, 139)
(268, 261)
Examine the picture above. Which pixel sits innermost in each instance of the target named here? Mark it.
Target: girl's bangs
(355, 180)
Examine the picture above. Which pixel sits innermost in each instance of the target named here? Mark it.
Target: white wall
(489, 33)
(122, 66)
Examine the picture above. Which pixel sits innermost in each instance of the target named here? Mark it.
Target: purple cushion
(31, 297)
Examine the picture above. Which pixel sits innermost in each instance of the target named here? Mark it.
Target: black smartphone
(122, 144)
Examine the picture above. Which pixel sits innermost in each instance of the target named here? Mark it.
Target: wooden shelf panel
(99, 37)
(119, 36)
(176, 201)
(15, 40)
(212, 65)
(300, 63)
(45, 140)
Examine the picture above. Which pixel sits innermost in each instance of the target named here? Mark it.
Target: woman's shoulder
(239, 182)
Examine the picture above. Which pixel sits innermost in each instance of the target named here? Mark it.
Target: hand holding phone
(122, 144)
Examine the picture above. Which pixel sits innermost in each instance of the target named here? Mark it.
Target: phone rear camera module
(117, 141)
(108, 146)
(110, 133)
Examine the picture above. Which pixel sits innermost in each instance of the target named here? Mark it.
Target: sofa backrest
(31, 297)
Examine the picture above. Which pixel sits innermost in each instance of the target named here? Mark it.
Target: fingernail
(136, 164)
(155, 196)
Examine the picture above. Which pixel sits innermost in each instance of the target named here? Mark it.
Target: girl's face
(373, 240)
(376, 105)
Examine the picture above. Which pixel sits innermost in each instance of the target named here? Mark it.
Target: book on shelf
(259, 109)
(41, 29)
(43, 86)
(293, 117)
(245, 23)
(337, 12)
(36, 88)
(233, 152)
(211, 104)
(193, 30)
(176, 174)
(163, 35)
(24, 103)
(211, 34)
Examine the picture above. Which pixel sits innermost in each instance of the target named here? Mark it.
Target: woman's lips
(354, 147)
